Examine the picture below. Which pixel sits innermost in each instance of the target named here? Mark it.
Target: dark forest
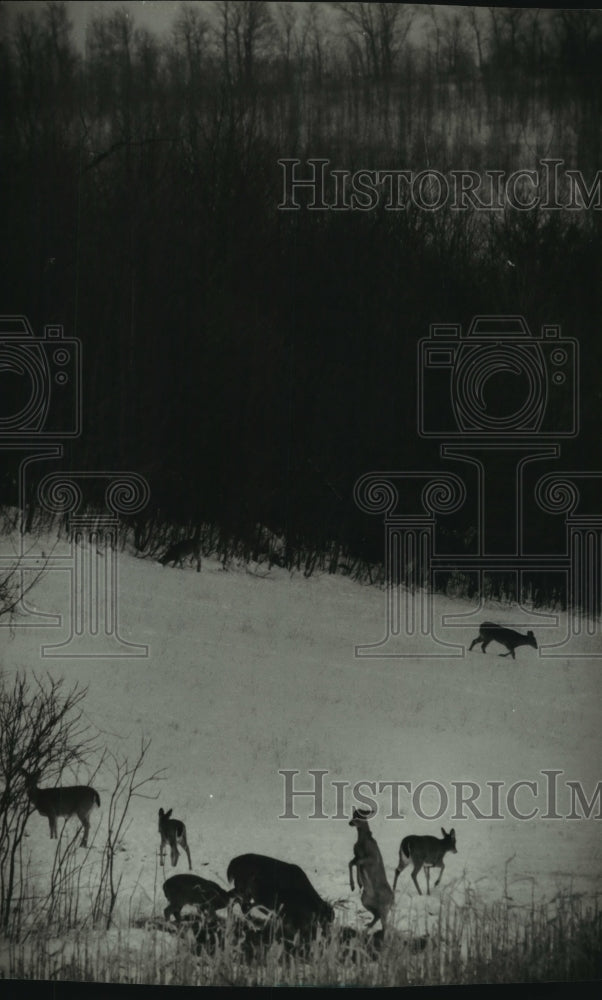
(252, 363)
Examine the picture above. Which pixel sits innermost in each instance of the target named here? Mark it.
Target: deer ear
(168, 813)
(452, 833)
(443, 832)
(530, 632)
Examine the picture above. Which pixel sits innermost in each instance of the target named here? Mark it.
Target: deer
(194, 890)
(279, 886)
(176, 553)
(427, 853)
(173, 832)
(67, 801)
(377, 896)
(489, 631)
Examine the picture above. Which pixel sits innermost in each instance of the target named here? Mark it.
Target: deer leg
(484, 644)
(398, 872)
(415, 880)
(351, 864)
(473, 643)
(174, 854)
(185, 846)
(441, 867)
(86, 825)
(428, 880)
(162, 852)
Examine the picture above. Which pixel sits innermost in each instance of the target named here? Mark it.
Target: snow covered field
(247, 676)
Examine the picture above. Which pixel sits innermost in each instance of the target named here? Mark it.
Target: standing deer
(193, 890)
(427, 853)
(173, 832)
(73, 800)
(377, 895)
(507, 637)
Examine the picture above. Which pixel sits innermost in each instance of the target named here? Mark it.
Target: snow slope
(248, 675)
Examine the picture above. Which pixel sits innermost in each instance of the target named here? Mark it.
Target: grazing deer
(178, 552)
(73, 800)
(377, 895)
(427, 853)
(193, 890)
(507, 637)
(173, 832)
(278, 885)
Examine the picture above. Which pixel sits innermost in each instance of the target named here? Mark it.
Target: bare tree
(246, 31)
(475, 23)
(128, 783)
(316, 33)
(42, 728)
(379, 30)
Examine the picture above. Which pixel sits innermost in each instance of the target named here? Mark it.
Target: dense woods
(252, 363)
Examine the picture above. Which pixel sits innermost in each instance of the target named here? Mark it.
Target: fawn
(193, 890)
(173, 832)
(507, 637)
(427, 853)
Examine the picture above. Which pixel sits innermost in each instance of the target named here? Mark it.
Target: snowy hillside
(247, 675)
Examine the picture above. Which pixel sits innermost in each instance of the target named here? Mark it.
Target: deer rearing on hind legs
(377, 895)
(71, 800)
(173, 832)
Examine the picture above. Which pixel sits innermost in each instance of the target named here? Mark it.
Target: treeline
(253, 363)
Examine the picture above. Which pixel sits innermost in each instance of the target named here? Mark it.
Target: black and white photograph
(300, 495)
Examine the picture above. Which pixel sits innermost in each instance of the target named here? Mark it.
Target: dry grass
(467, 943)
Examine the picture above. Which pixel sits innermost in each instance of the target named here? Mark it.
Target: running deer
(72, 800)
(173, 832)
(507, 637)
(192, 890)
(427, 853)
(278, 886)
(377, 895)
(178, 552)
